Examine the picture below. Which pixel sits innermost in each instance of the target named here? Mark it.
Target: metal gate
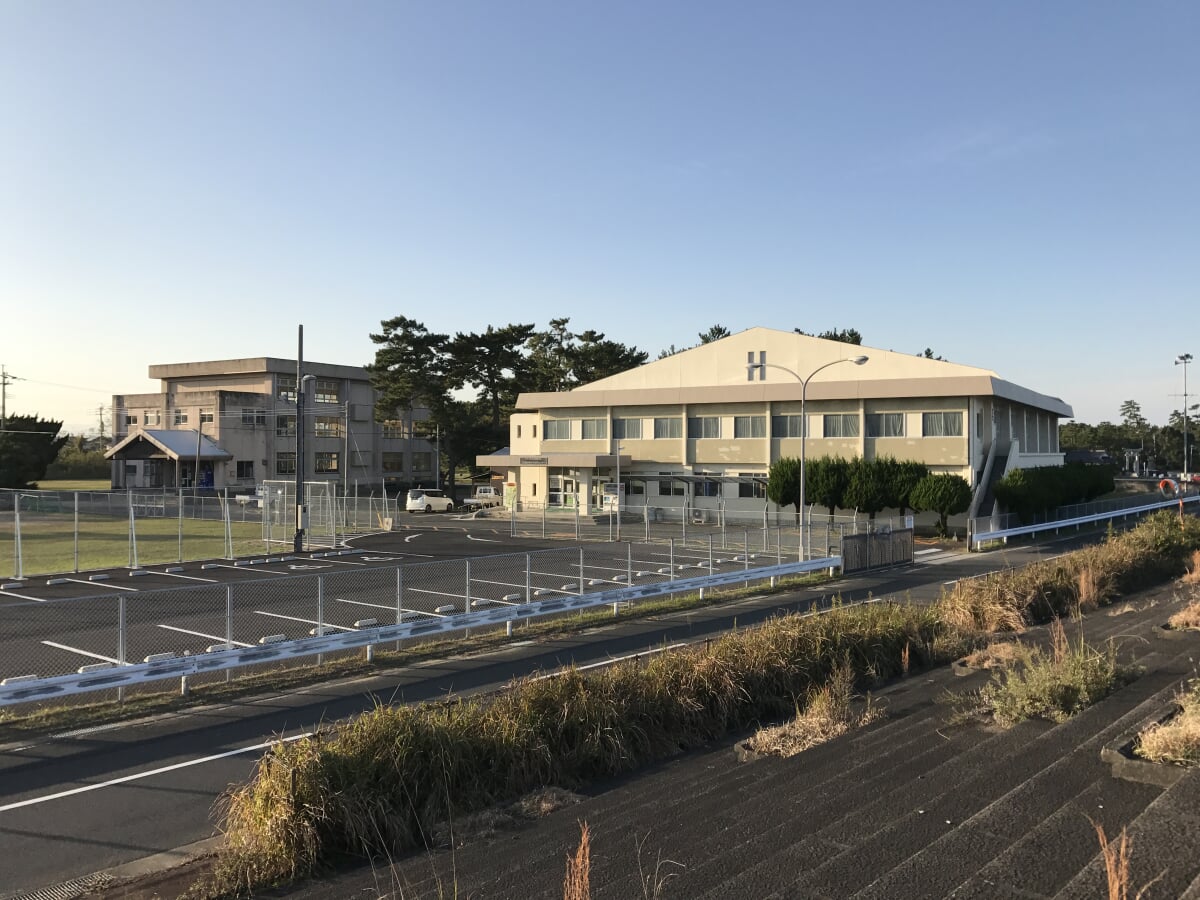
(876, 551)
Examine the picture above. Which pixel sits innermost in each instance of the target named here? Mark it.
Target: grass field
(48, 542)
(85, 484)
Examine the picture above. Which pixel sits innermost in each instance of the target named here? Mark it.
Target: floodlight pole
(760, 367)
(301, 508)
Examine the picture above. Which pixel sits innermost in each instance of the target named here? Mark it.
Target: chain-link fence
(61, 636)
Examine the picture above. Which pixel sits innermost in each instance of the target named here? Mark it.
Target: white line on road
(246, 569)
(471, 537)
(23, 596)
(124, 779)
(259, 612)
(212, 637)
(82, 652)
(188, 577)
(115, 587)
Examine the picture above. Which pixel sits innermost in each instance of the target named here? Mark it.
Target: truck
(485, 495)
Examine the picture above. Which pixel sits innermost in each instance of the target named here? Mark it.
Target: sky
(1014, 185)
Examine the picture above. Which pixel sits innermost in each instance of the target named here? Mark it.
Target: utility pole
(5, 381)
(1182, 360)
(100, 415)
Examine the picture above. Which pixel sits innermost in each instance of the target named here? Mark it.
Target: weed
(1116, 864)
(1188, 617)
(654, 882)
(577, 884)
(828, 715)
(1176, 740)
(1192, 575)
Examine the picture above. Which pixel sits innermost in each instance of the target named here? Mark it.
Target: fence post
(133, 557)
(121, 631)
(543, 518)
(77, 531)
(672, 559)
(710, 556)
(320, 614)
(581, 571)
(181, 524)
(528, 580)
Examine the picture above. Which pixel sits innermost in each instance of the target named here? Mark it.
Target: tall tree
(595, 357)
(928, 354)
(845, 335)
(714, 333)
(900, 477)
(548, 366)
(493, 364)
(28, 445)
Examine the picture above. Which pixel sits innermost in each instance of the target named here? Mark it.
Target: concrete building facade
(702, 427)
(232, 424)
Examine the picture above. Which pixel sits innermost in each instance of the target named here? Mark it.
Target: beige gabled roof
(717, 373)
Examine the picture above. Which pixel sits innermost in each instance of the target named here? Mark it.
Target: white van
(428, 500)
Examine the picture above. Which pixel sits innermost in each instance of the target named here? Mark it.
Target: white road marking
(82, 652)
(188, 577)
(471, 537)
(412, 537)
(23, 596)
(125, 779)
(247, 569)
(604, 662)
(115, 587)
(212, 637)
(259, 612)
(301, 567)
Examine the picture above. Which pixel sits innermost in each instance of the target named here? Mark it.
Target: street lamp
(1183, 359)
(763, 364)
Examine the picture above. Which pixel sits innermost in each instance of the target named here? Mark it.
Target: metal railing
(1010, 526)
(58, 648)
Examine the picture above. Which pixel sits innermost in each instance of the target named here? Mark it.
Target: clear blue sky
(1015, 185)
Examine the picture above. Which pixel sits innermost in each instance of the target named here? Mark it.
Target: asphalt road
(78, 803)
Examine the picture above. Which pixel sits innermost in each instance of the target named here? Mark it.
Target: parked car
(428, 500)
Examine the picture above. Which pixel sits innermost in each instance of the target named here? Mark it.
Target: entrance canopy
(173, 444)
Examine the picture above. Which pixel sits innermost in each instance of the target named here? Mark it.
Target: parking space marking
(259, 612)
(22, 596)
(471, 537)
(82, 652)
(246, 569)
(104, 584)
(372, 605)
(188, 577)
(211, 637)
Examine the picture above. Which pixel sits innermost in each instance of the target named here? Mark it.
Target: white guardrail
(104, 676)
(1005, 533)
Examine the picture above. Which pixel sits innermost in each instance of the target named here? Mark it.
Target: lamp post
(762, 365)
(1182, 360)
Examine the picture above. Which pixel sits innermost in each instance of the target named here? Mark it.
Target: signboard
(613, 493)
(533, 460)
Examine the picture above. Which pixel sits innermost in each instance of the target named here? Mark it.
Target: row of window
(325, 390)
(834, 425)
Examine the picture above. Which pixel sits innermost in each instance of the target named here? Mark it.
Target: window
(518, 431)
(285, 387)
(245, 469)
(841, 425)
(152, 417)
(787, 426)
(595, 429)
(325, 391)
(393, 461)
(422, 461)
(669, 486)
(756, 489)
(285, 463)
(885, 425)
(327, 426)
(326, 461)
(558, 429)
(285, 426)
(668, 428)
(749, 426)
(704, 427)
(535, 431)
(635, 487)
(206, 416)
(708, 488)
(627, 428)
(941, 424)
(180, 417)
(252, 417)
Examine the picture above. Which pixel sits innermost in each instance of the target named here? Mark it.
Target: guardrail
(1003, 534)
(366, 634)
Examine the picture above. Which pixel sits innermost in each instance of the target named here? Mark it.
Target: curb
(1118, 753)
(1167, 633)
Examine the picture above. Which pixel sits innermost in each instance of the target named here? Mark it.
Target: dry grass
(1177, 740)
(1188, 617)
(1088, 589)
(828, 714)
(996, 655)
(577, 885)
(1192, 576)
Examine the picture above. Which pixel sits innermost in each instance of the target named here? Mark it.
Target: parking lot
(56, 625)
